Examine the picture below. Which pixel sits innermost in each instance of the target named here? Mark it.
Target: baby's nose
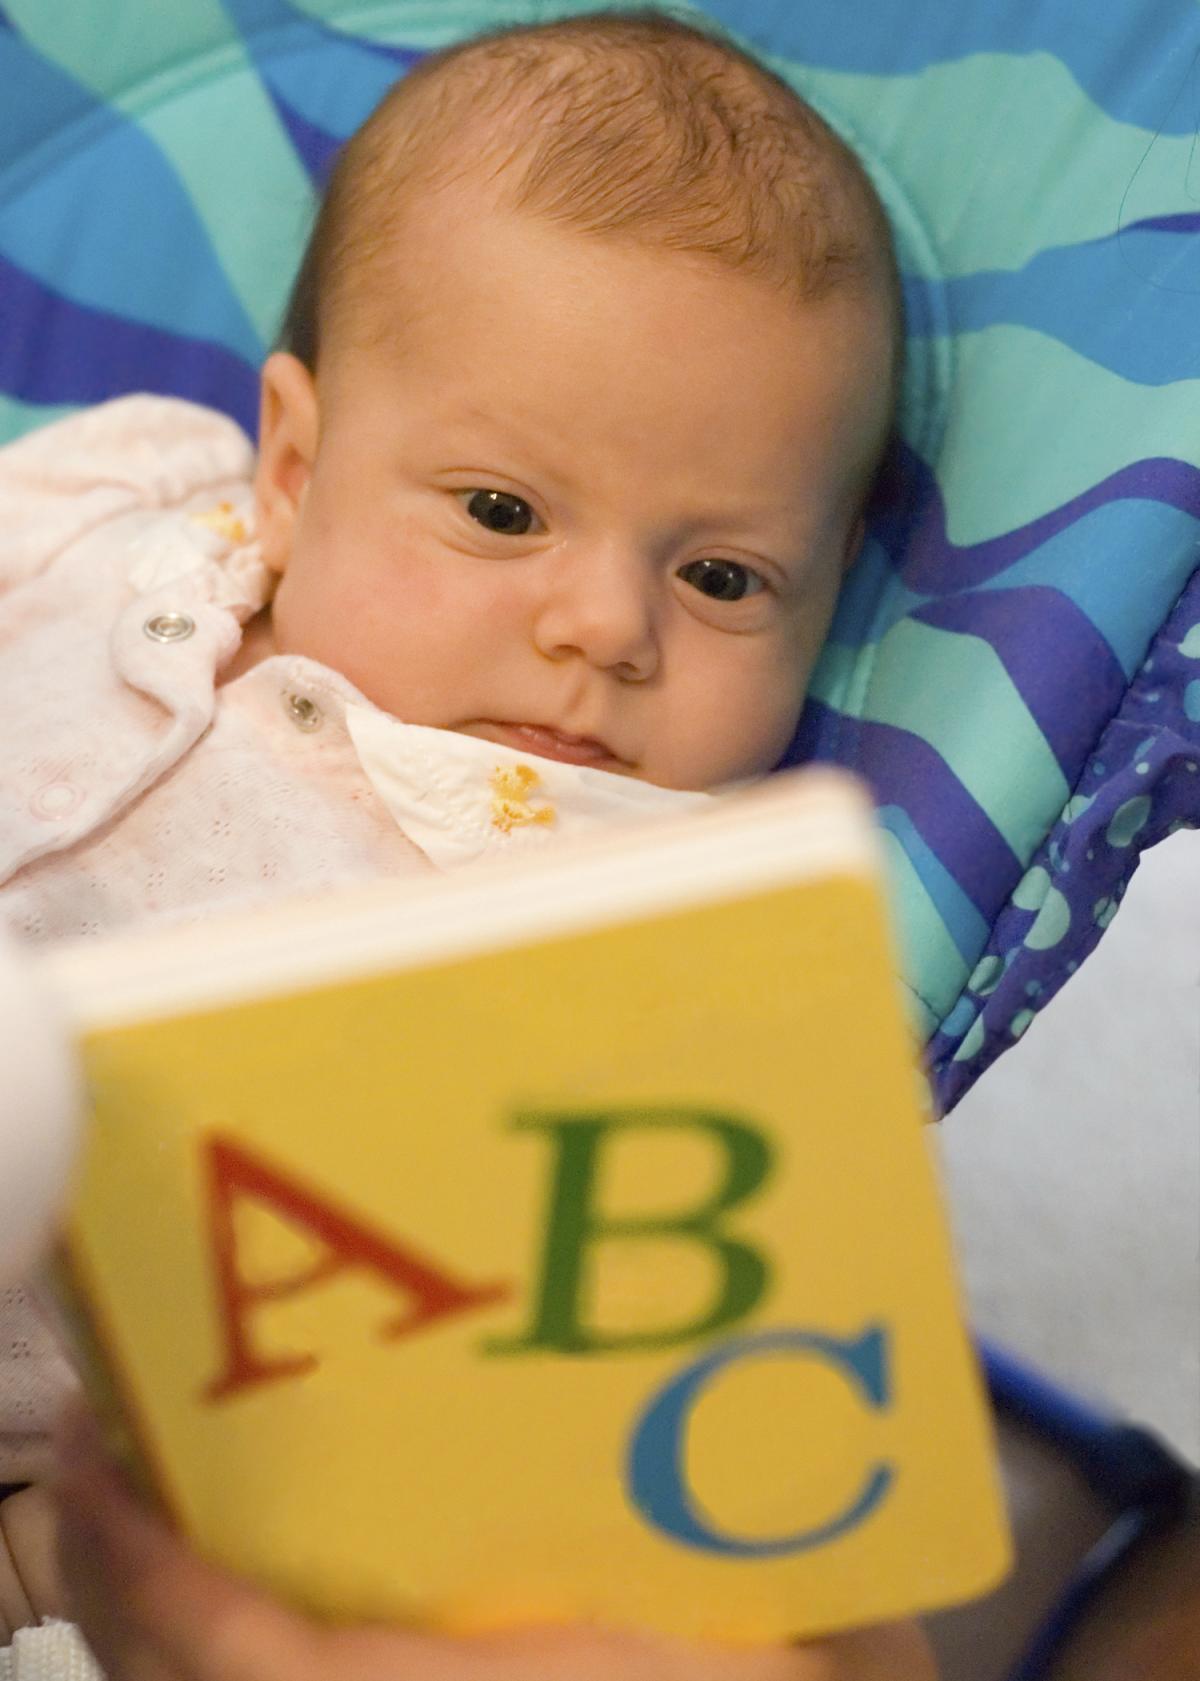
(602, 605)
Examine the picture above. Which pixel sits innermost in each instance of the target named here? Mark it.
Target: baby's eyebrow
(471, 413)
(470, 417)
(731, 516)
(506, 423)
(505, 435)
(767, 528)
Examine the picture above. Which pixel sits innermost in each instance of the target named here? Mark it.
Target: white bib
(460, 799)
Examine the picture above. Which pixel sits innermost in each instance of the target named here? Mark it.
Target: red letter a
(232, 1173)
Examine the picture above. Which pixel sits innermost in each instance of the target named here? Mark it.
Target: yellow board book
(548, 1240)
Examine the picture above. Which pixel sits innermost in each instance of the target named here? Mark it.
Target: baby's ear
(287, 448)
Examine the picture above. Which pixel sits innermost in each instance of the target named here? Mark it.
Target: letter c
(655, 1473)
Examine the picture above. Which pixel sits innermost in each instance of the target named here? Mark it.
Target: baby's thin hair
(632, 124)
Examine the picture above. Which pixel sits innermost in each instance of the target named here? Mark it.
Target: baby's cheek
(755, 714)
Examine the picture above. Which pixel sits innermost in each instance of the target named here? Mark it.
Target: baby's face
(579, 497)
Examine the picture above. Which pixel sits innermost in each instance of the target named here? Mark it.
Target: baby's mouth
(548, 743)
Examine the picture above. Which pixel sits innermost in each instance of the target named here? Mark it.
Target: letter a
(232, 1173)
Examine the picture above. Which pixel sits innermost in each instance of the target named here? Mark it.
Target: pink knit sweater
(135, 785)
(131, 784)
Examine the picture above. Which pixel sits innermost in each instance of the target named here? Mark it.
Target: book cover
(550, 1247)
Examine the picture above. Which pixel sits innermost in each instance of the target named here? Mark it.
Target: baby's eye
(499, 510)
(723, 580)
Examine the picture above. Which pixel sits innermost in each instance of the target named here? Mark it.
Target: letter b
(575, 1225)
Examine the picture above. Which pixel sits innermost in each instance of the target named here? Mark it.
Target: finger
(585, 1653)
(27, 1520)
(139, 1630)
(93, 1601)
(141, 1594)
(887, 1652)
(83, 1484)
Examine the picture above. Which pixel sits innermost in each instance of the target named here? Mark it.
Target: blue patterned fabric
(1015, 661)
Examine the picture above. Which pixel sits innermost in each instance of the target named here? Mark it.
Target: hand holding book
(152, 1611)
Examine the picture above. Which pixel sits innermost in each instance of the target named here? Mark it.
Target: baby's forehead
(637, 129)
(685, 140)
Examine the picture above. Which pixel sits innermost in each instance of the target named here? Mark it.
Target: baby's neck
(258, 643)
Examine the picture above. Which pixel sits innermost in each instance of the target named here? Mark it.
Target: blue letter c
(655, 1470)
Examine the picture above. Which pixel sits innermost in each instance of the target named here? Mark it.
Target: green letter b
(575, 1225)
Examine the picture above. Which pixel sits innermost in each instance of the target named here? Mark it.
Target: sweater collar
(461, 799)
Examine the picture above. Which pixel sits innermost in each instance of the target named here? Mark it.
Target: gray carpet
(1073, 1168)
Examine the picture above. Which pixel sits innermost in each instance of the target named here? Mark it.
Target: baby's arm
(64, 479)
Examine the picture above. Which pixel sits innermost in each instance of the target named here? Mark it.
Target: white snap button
(304, 713)
(169, 627)
(56, 800)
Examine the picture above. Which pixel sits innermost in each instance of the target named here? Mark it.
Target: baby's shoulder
(141, 454)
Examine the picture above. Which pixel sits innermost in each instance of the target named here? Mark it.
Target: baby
(584, 382)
